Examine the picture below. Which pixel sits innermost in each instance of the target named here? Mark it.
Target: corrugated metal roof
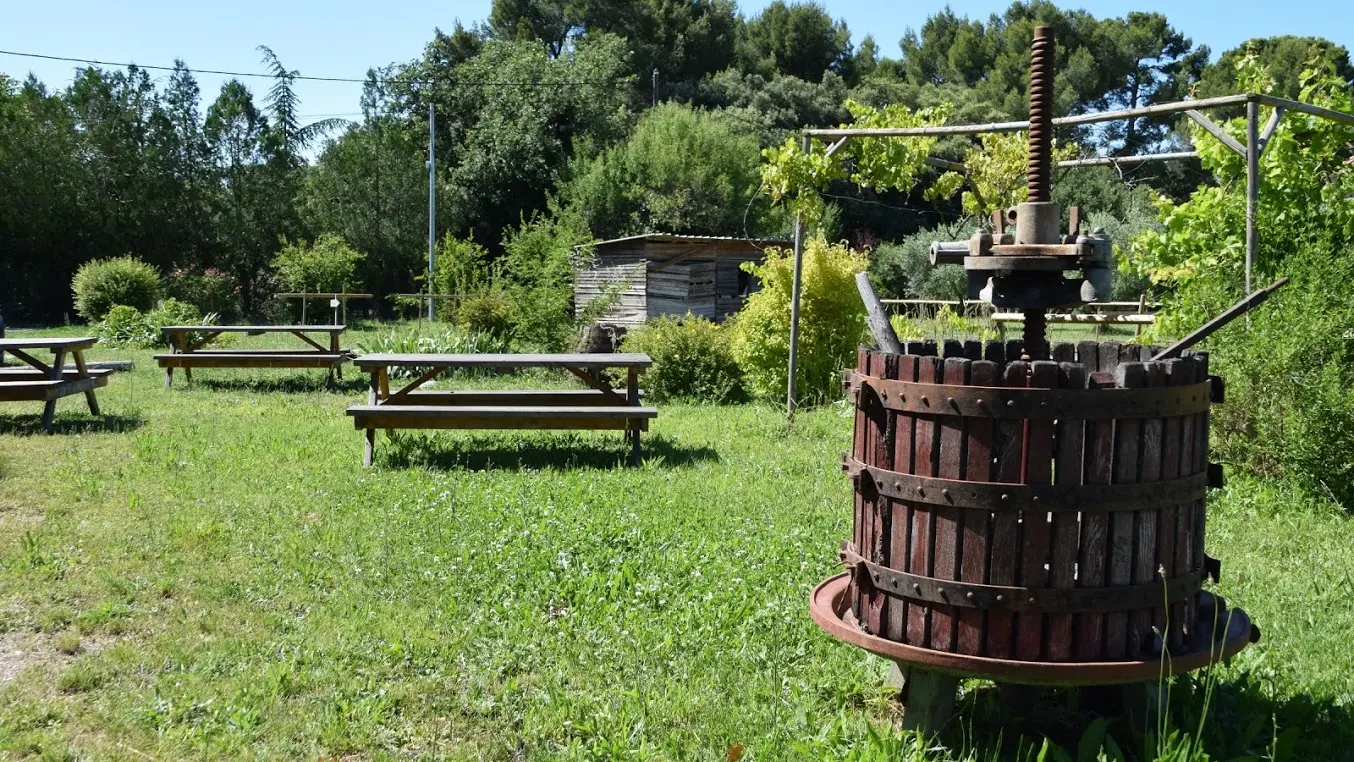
(677, 238)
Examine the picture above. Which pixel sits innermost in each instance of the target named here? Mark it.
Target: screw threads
(1037, 179)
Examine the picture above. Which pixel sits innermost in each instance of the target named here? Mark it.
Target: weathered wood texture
(658, 275)
(1123, 544)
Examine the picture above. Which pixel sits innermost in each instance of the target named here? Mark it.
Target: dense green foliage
(1290, 374)
(210, 290)
(326, 265)
(102, 284)
(542, 109)
(904, 270)
(831, 319)
(692, 360)
(681, 170)
(126, 326)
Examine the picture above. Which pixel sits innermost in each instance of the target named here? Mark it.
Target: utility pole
(432, 205)
(655, 87)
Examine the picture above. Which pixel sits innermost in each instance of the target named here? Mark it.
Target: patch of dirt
(21, 650)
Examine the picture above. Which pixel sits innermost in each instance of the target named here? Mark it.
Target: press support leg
(927, 698)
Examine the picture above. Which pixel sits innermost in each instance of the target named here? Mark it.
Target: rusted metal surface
(1065, 527)
(994, 496)
(947, 399)
(1031, 598)
(1223, 635)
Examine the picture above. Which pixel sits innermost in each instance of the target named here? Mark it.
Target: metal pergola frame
(1257, 138)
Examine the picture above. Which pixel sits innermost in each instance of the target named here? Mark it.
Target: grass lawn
(209, 573)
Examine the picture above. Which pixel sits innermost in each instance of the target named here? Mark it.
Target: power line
(483, 83)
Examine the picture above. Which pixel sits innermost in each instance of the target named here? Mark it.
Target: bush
(327, 265)
(831, 320)
(444, 341)
(904, 270)
(1289, 365)
(129, 327)
(538, 263)
(692, 359)
(462, 266)
(102, 284)
(210, 290)
(489, 310)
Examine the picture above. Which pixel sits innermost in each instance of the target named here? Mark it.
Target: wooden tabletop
(589, 360)
(52, 343)
(254, 328)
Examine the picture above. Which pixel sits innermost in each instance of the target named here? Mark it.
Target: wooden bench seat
(509, 397)
(11, 375)
(46, 390)
(393, 416)
(252, 359)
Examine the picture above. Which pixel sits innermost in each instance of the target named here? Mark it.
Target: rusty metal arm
(1207, 329)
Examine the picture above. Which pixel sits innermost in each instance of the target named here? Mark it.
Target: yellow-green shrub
(692, 359)
(831, 318)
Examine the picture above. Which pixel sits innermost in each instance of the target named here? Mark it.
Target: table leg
(49, 409)
(369, 452)
(82, 372)
(169, 376)
(373, 394)
(632, 397)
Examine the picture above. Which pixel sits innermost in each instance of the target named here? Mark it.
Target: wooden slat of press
(1168, 524)
(881, 455)
(858, 449)
(1099, 446)
(1184, 542)
(977, 523)
(1005, 542)
(1127, 449)
(925, 454)
(901, 523)
(1035, 524)
(951, 466)
(1070, 460)
(1147, 520)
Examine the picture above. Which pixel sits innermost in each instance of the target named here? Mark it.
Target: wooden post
(883, 332)
(83, 372)
(373, 391)
(796, 282)
(1252, 183)
(927, 698)
(49, 409)
(632, 397)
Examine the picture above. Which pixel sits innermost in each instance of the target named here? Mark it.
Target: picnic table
(598, 407)
(37, 381)
(187, 352)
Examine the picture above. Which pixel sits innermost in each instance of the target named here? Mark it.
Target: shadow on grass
(511, 451)
(294, 384)
(70, 423)
(1237, 718)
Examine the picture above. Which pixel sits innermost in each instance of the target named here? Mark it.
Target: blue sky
(342, 38)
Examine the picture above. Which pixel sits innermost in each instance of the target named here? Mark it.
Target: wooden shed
(663, 274)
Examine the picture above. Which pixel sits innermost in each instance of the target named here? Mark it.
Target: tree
(651, 182)
(800, 40)
(1155, 64)
(329, 264)
(501, 146)
(258, 187)
(370, 186)
(1284, 58)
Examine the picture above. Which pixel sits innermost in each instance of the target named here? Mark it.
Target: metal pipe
(1252, 183)
(432, 202)
(1103, 161)
(1237, 310)
(797, 278)
(1072, 121)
